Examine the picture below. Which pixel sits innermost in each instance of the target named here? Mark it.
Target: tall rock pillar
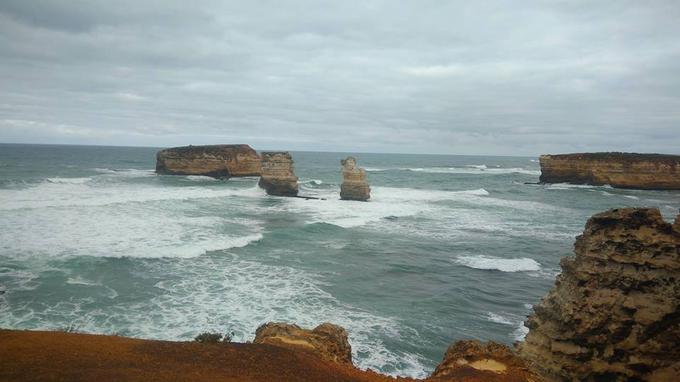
(354, 185)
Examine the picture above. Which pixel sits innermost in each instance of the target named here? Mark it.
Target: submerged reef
(219, 161)
(620, 170)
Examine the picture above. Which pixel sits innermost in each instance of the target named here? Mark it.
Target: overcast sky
(468, 77)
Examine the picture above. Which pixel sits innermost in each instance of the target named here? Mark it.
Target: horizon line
(260, 150)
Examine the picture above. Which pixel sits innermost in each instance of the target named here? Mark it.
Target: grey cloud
(431, 76)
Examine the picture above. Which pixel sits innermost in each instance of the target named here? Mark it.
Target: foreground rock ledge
(328, 341)
(614, 313)
(219, 161)
(472, 360)
(621, 170)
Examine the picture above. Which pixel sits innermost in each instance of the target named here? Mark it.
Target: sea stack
(219, 161)
(614, 312)
(278, 177)
(621, 170)
(354, 185)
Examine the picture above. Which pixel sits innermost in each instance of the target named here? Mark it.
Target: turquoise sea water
(449, 247)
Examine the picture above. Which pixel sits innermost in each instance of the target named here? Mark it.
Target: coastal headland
(619, 170)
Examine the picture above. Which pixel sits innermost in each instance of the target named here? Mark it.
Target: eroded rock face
(216, 161)
(614, 313)
(328, 341)
(278, 177)
(354, 185)
(622, 170)
(472, 360)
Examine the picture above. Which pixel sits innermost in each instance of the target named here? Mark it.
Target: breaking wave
(523, 264)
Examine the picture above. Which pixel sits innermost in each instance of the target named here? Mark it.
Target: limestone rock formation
(472, 360)
(278, 177)
(354, 185)
(614, 313)
(328, 341)
(220, 161)
(621, 170)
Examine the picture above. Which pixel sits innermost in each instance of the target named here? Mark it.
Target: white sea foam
(315, 182)
(631, 197)
(523, 264)
(200, 178)
(82, 194)
(126, 172)
(497, 318)
(153, 229)
(510, 320)
(385, 202)
(81, 281)
(235, 295)
(68, 180)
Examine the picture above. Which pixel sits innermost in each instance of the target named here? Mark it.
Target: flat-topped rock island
(219, 161)
(620, 170)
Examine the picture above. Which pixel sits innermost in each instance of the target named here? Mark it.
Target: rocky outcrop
(328, 341)
(614, 313)
(220, 161)
(278, 177)
(354, 185)
(622, 170)
(472, 360)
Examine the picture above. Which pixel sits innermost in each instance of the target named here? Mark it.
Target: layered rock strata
(622, 170)
(472, 360)
(221, 161)
(328, 341)
(278, 176)
(614, 313)
(354, 185)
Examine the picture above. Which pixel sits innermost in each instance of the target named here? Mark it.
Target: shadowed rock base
(614, 313)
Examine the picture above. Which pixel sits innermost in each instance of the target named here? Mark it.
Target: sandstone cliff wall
(614, 313)
(216, 160)
(622, 170)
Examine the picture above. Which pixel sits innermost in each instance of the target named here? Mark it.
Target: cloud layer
(382, 76)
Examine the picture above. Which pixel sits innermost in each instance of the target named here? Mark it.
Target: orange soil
(58, 356)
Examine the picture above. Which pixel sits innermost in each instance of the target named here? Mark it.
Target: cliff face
(278, 177)
(217, 161)
(614, 313)
(622, 170)
(354, 185)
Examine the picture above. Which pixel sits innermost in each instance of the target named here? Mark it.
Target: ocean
(450, 247)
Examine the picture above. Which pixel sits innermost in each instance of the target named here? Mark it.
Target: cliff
(354, 185)
(622, 170)
(217, 161)
(278, 176)
(614, 313)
